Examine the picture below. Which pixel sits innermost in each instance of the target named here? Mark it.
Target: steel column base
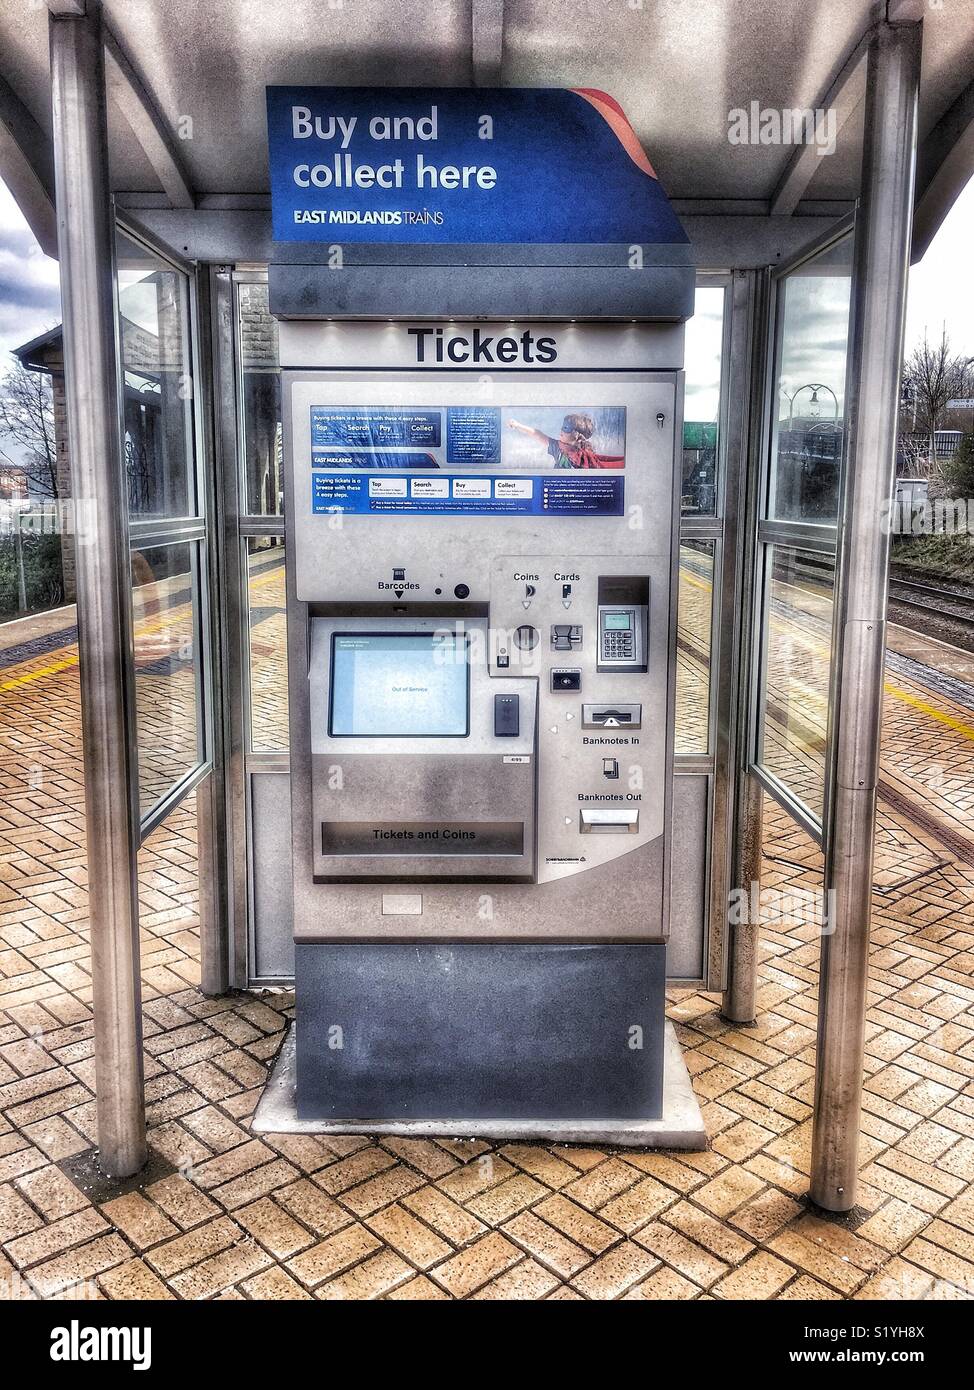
(739, 1003)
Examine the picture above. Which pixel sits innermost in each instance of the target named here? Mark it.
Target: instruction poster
(544, 461)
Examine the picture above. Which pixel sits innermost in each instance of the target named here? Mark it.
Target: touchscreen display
(402, 685)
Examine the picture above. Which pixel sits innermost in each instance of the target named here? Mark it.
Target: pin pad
(623, 624)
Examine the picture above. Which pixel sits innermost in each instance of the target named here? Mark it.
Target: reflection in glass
(809, 411)
(261, 402)
(158, 442)
(704, 346)
(694, 634)
(268, 645)
(693, 647)
(165, 629)
(797, 635)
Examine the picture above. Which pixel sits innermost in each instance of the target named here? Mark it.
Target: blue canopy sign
(460, 165)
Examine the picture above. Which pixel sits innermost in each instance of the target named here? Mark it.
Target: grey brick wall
(258, 330)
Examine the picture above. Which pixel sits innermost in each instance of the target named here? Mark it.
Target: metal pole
(878, 309)
(744, 856)
(227, 589)
(211, 870)
(740, 996)
(19, 553)
(211, 794)
(86, 253)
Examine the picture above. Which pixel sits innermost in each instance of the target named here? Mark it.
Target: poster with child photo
(551, 437)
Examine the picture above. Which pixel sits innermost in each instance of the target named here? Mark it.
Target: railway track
(932, 598)
(936, 610)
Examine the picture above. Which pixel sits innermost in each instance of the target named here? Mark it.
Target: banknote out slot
(598, 821)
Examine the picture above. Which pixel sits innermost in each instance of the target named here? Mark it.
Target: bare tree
(932, 376)
(913, 455)
(27, 418)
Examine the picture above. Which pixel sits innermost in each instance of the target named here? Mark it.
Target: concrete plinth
(680, 1126)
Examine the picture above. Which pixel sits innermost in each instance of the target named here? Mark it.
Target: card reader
(507, 716)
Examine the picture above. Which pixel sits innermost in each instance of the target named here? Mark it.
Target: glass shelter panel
(260, 402)
(797, 658)
(808, 388)
(165, 607)
(158, 434)
(704, 353)
(266, 606)
(693, 643)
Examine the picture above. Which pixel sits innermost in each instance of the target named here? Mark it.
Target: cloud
(30, 300)
(704, 342)
(941, 291)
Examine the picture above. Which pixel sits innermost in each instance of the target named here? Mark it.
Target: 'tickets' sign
(460, 165)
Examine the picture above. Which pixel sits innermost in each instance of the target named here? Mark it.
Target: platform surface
(222, 1213)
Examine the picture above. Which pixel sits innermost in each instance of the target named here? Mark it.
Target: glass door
(162, 456)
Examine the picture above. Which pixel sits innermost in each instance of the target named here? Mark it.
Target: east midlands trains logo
(352, 217)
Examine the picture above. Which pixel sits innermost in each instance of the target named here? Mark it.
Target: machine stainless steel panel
(438, 554)
(587, 775)
(379, 802)
(270, 842)
(688, 887)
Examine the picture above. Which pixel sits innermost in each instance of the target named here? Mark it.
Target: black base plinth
(427, 1031)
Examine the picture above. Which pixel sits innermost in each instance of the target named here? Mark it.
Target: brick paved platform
(223, 1214)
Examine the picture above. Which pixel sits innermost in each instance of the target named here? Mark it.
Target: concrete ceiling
(187, 84)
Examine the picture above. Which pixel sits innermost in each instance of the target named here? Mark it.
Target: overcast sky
(942, 285)
(941, 292)
(29, 299)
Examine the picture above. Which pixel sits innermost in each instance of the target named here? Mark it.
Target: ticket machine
(481, 530)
